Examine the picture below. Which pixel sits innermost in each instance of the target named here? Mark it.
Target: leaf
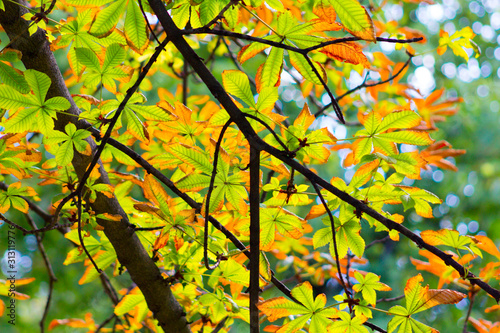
(73, 138)
(274, 220)
(135, 29)
(349, 52)
(450, 238)
(10, 75)
(106, 19)
(460, 40)
(418, 299)
(313, 309)
(355, 18)
(236, 83)
(348, 324)
(129, 302)
(33, 108)
(300, 63)
(368, 285)
(269, 73)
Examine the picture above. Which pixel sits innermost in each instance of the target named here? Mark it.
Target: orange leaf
(487, 245)
(349, 52)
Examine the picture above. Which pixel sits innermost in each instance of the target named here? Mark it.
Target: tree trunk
(36, 54)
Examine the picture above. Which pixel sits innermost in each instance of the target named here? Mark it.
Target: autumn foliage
(217, 189)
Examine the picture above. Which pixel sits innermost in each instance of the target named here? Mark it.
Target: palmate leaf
(72, 138)
(376, 135)
(347, 236)
(35, 113)
(312, 309)
(450, 238)
(12, 197)
(368, 285)
(348, 324)
(278, 220)
(108, 71)
(418, 299)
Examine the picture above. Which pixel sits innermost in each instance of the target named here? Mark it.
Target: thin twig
(166, 181)
(50, 271)
(366, 85)
(472, 296)
(334, 238)
(80, 236)
(209, 194)
(147, 22)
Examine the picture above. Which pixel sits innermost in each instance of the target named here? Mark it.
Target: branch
(365, 85)
(235, 113)
(130, 251)
(254, 265)
(50, 271)
(190, 201)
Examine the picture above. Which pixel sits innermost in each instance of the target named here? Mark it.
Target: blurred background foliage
(470, 195)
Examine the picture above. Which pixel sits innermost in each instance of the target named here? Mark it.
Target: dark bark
(36, 54)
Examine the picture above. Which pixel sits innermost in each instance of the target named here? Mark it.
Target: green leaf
(88, 58)
(311, 308)
(270, 71)
(128, 303)
(236, 83)
(281, 220)
(276, 4)
(106, 19)
(115, 55)
(355, 18)
(39, 83)
(11, 99)
(135, 29)
(209, 9)
(300, 63)
(348, 324)
(12, 78)
(368, 285)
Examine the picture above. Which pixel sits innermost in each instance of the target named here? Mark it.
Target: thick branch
(131, 253)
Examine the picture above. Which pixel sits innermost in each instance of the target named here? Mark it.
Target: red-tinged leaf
(364, 173)
(349, 52)
(420, 298)
(269, 73)
(251, 50)
(355, 18)
(442, 296)
(305, 118)
(437, 153)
